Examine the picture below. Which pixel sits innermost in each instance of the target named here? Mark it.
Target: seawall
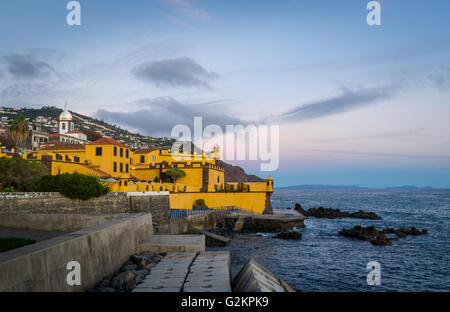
(100, 250)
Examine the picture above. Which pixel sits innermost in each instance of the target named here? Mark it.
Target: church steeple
(65, 121)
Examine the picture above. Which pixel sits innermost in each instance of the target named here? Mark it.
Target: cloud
(441, 79)
(158, 116)
(180, 72)
(348, 101)
(27, 66)
(188, 8)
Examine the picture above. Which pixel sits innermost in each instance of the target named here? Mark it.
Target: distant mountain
(322, 187)
(408, 187)
(237, 174)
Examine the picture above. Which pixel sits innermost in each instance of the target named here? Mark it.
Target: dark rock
(364, 215)
(106, 289)
(141, 273)
(288, 235)
(330, 213)
(130, 285)
(130, 267)
(378, 237)
(104, 283)
(300, 209)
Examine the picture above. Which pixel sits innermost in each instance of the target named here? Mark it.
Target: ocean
(322, 261)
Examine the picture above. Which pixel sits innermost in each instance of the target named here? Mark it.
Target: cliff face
(237, 174)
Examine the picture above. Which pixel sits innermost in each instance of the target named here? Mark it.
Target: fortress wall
(156, 203)
(100, 250)
(111, 203)
(247, 201)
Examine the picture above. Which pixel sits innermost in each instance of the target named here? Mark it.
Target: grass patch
(13, 243)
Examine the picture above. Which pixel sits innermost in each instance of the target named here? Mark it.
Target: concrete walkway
(29, 234)
(189, 272)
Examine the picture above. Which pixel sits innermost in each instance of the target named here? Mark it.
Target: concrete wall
(54, 222)
(156, 203)
(207, 221)
(100, 250)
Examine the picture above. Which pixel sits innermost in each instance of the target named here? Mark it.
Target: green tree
(19, 174)
(75, 186)
(175, 174)
(92, 135)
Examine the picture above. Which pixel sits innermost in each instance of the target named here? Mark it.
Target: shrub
(19, 174)
(75, 186)
(199, 204)
(156, 180)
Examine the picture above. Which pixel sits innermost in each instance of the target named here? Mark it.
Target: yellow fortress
(145, 170)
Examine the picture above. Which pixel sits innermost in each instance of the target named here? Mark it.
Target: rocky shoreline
(131, 274)
(379, 237)
(330, 213)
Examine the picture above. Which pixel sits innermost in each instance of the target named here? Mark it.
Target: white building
(66, 130)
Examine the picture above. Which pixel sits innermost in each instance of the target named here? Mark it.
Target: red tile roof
(106, 141)
(145, 150)
(63, 146)
(98, 171)
(73, 132)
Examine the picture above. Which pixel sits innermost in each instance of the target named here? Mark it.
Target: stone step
(239, 225)
(211, 238)
(173, 243)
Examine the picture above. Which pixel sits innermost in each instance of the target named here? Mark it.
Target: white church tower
(65, 121)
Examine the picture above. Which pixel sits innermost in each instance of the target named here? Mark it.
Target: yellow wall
(251, 202)
(105, 162)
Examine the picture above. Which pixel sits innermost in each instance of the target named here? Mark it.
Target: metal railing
(180, 213)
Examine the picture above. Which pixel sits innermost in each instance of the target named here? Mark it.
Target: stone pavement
(189, 272)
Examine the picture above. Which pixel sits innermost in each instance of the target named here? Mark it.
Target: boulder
(329, 213)
(378, 237)
(288, 235)
(130, 267)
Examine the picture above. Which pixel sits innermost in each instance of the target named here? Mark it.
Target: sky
(355, 104)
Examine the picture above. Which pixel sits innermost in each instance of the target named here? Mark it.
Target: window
(120, 183)
(126, 168)
(154, 158)
(121, 167)
(98, 151)
(115, 150)
(115, 166)
(121, 152)
(76, 159)
(64, 126)
(67, 157)
(59, 157)
(218, 179)
(125, 182)
(142, 159)
(127, 153)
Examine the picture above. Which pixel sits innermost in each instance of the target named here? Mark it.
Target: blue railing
(179, 213)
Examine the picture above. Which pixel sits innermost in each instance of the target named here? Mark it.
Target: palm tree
(18, 129)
